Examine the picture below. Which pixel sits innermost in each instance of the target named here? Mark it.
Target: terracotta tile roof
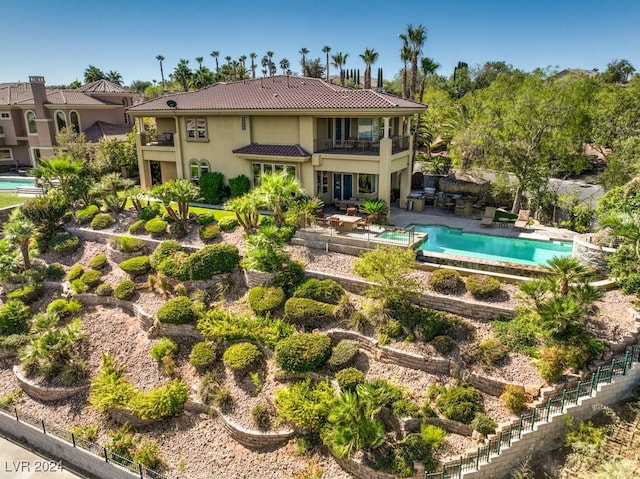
(101, 129)
(20, 94)
(273, 150)
(102, 86)
(279, 93)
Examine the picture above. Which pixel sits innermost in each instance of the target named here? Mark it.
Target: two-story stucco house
(340, 143)
(31, 115)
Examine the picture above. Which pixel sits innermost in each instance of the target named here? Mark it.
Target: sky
(59, 39)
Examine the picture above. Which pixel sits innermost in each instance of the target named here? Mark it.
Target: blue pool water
(442, 239)
(13, 183)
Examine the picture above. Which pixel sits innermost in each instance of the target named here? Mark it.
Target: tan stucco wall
(276, 130)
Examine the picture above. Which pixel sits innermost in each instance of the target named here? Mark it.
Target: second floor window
(196, 129)
(31, 123)
(61, 121)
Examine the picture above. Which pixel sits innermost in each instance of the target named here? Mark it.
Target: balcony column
(144, 168)
(384, 170)
(177, 144)
(385, 129)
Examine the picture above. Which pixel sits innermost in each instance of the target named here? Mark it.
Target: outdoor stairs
(29, 191)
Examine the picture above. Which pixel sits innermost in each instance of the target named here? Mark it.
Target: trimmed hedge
(264, 299)
(324, 290)
(136, 266)
(125, 290)
(27, 293)
(137, 227)
(447, 281)
(177, 310)
(241, 357)
(104, 289)
(227, 223)
(84, 215)
(98, 261)
(349, 378)
(156, 226)
(64, 243)
(308, 312)
(75, 272)
(55, 272)
(170, 258)
(127, 244)
(203, 355)
(303, 352)
(102, 221)
(91, 277)
(205, 219)
(343, 354)
(482, 286)
(208, 232)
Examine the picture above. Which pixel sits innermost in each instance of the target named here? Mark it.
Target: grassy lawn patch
(10, 199)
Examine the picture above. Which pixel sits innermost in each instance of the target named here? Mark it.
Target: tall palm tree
(326, 50)
(93, 73)
(277, 191)
(303, 51)
(215, 54)
(405, 56)
(416, 37)
(235, 66)
(182, 73)
(114, 77)
(253, 57)
(160, 58)
(428, 67)
(242, 60)
(284, 65)
(369, 56)
(18, 231)
(199, 60)
(340, 60)
(270, 65)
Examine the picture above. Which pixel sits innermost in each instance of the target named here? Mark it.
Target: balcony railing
(160, 139)
(359, 147)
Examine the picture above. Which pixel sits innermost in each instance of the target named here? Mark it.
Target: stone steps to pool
(29, 191)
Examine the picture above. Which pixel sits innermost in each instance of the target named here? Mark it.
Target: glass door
(342, 186)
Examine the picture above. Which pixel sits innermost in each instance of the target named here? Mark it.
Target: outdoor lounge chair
(488, 216)
(522, 221)
(365, 223)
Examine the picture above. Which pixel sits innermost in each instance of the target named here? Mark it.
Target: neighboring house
(31, 115)
(576, 72)
(340, 143)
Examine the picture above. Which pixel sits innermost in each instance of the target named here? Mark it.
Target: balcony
(359, 147)
(160, 139)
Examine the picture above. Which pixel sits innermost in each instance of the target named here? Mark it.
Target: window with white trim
(5, 154)
(196, 129)
(260, 169)
(198, 168)
(61, 120)
(74, 119)
(367, 183)
(5, 115)
(322, 182)
(30, 118)
(36, 155)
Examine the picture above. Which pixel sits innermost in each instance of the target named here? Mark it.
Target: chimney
(39, 93)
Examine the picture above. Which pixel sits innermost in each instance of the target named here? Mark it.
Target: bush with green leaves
(391, 328)
(491, 352)
(156, 226)
(165, 251)
(308, 313)
(75, 272)
(78, 286)
(14, 317)
(433, 435)
(179, 310)
(447, 281)
(149, 212)
(178, 229)
(228, 223)
(522, 333)
(164, 347)
(264, 299)
(27, 293)
(343, 354)
(136, 266)
(91, 277)
(241, 357)
(405, 453)
(349, 378)
(64, 308)
(203, 355)
(212, 260)
(86, 214)
(261, 417)
(239, 185)
(303, 352)
(481, 286)
(102, 221)
(137, 227)
(127, 244)
(104, 289)
(99, 261)
(514, 398)
(208, 232)
(289, 277)
(443, 344)
(305, 405)
(324, 290)
(148, 454)
(484, 424)
(212, 187)
(64, 243)
(125, 290)
(55, 272)
(459, 403)
(205, 219)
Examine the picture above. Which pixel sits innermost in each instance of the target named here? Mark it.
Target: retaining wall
(45, 393)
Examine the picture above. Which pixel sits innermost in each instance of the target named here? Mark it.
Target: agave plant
(377, 208)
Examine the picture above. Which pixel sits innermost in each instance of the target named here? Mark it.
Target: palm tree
(405, 56)
(235, 67)
(215, 54)
(270, 65)
(179, 191)
(92, 74)
(62, 169)
(18, 231)
(369, 56)
(114, 77)
(183, 74)
(247, 210)
(624, 225)
(253, 57)
(160, 58)
(428, 66)
(326, 50)
(416, 37)
(303, 51)
(199, 60)
(339, 60)
(277, 191)
(564, 270)
(284, 65)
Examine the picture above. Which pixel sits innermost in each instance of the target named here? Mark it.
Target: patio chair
(523, 220)
(459, 207)
(365, 223)
(351, 211)
(488, 216)
(336, 224)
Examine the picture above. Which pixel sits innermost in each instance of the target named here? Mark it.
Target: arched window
(31, 123)
(204, 167)
(195, 170)
(74, 119)
(198, 168)
(61, 120)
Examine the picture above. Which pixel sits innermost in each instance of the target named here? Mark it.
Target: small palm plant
(377, 208)
(19, 231)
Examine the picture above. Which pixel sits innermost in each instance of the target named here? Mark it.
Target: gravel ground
(197, 446)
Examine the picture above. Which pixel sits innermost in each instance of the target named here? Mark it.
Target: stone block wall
(145, 319)
(45, 393)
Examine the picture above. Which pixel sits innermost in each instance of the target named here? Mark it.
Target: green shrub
(404, 454)
(443, 344)
(212, 187)
(241, 357)
(64, 308)
(65, 243)
(86, 214)
(136, 266)
(127, 244)
(78, 286)
(521, 333)
(125, 290)
(324, 290)
(551, 363)
(164, 347)
(178, 229)
(308, 313)
(102, 221)
(305, 405)
(239, 185)
(148, 455)
(205, 219)
(514, 398)
(91, 277)
(98, 261)
(459, 403)
(178, 310)
(289, 277)
(208, 232)
(104, 289)
(180, 290)
(137, 227)
(149, 212)
(264, 299)
(203, 355)
(55, 272)
(75, 272)
(303, 352)
(261, 417)
(432, 435)
(156, 226)
(164, 251)
(27, 293)
(446, 281)
(491, 352)
(484, 424)
(482, 286)
(391, 328)
(213, 259)
(163, 401)
(14, 315)
(343, 354)
(227, 223)
(349, 378)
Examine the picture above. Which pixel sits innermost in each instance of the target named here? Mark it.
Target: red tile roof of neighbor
(101, 129)
(102, 86)
(278, 93)
(20, 94)
(273, 150)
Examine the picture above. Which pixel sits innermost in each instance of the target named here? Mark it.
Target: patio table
(348, 221)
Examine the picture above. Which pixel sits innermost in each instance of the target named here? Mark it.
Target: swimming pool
(442, 239)
(10, 183)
